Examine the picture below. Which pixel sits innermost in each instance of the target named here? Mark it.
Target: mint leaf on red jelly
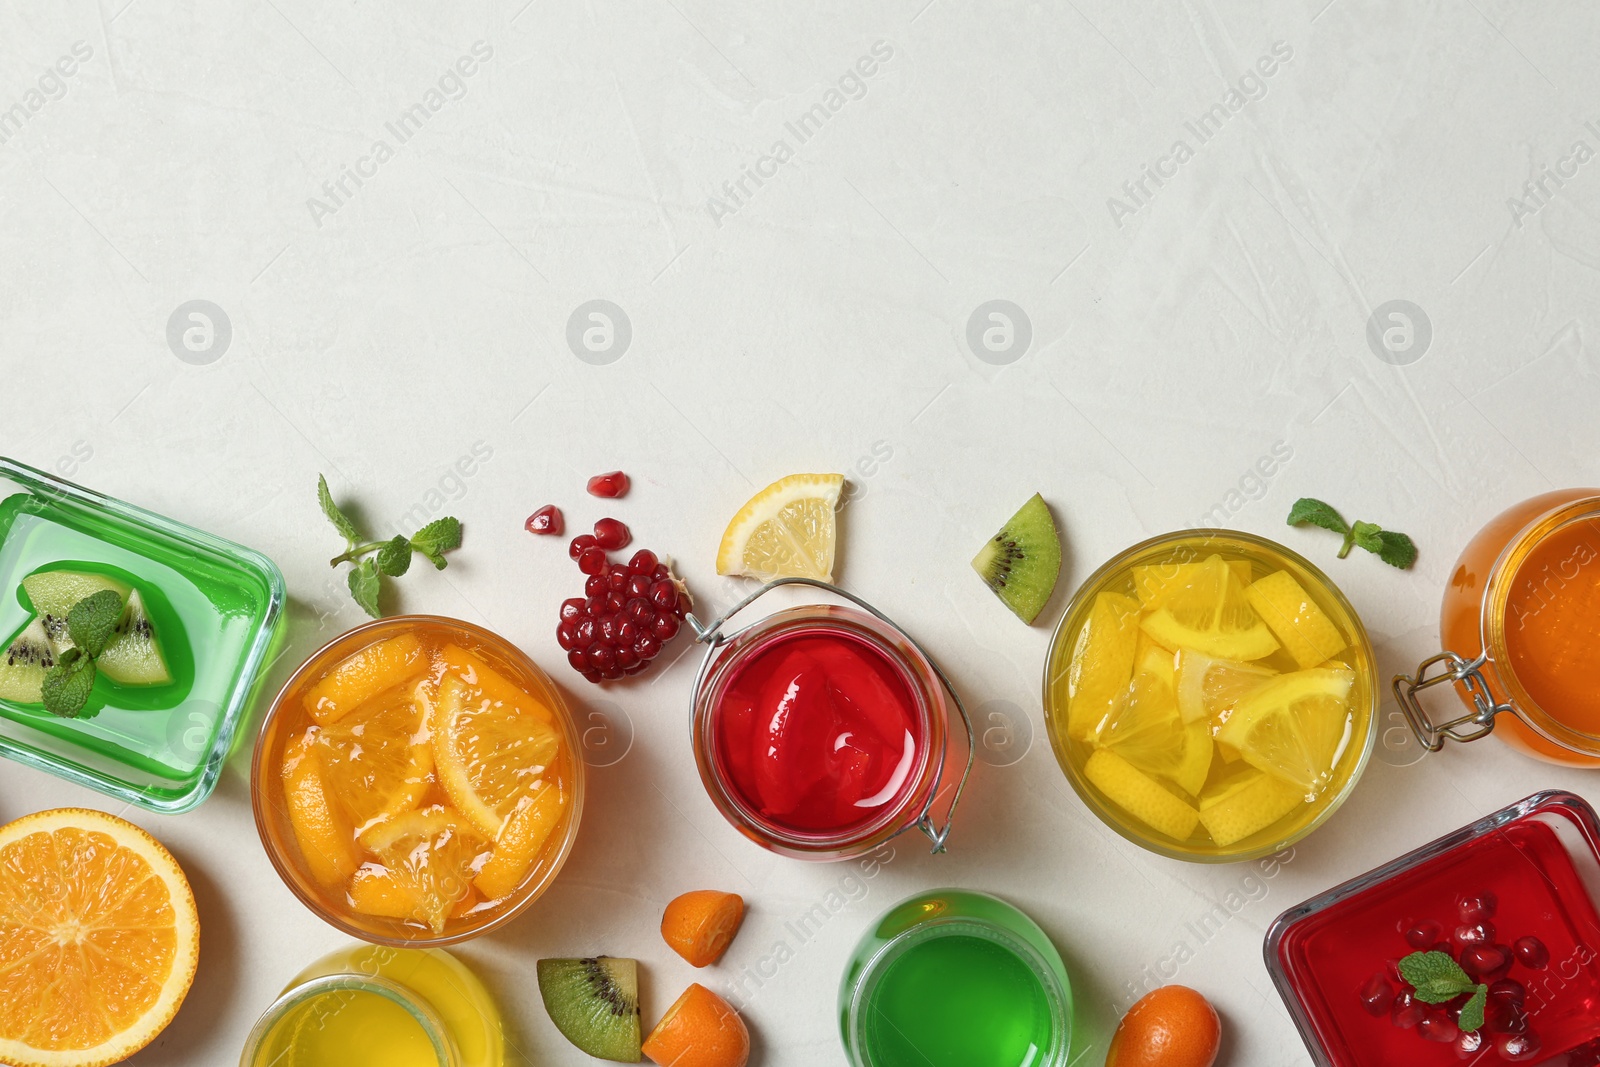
(1472, 1011)
(1435, 976)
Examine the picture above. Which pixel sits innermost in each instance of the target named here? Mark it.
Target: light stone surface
(814, 317)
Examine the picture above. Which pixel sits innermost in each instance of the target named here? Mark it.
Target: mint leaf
(92, 620)
(67, 684)
(340, 520)
(364, 584)
(1396, 549)
(1472, 1011)
(1365, 535)
(437, 538)
(394, 558)
(1435, 976)
(1317, 514)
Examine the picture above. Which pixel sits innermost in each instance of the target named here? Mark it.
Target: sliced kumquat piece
(699, 926)
(699, 1030)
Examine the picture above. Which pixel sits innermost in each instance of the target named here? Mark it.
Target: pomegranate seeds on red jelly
(611, 534)
(610, 485)
(547, 520)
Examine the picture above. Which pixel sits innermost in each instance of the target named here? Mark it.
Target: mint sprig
(376, 560)
(90, 624)
(1438, 979)
(1395, 549)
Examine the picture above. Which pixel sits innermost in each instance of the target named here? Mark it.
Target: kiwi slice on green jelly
(133, 654)
(595, 1004)
(1022, 562)
(24, 664)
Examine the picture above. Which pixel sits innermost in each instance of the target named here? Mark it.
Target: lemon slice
(1305, 629)
(377, 760)
(1146, 730)
(1102, 662)
(1152, 582)
(1295, 727)
(1140, 796)
(784, 531)
(432, 855)
(1211, 614)
(491, 753)
(1247, 806)
(1209, 687)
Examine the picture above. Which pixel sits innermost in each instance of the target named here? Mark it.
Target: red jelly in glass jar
(818, 731)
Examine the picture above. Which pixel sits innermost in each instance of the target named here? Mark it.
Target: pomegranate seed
(1467, 1045)
(1532, 953)
(608, 629)
(617, 579)
(639, 610)
(571, 609)
(1478, 908)
(660, 572)
(627, 657)
(643, 562)
(592, 561)
(595, 606)
(1439, 1027)
(1517, 1048)
(647, 646)
(1474, 934)
(638, 584)
(595, 585)
(1377, 995)
(615, 602)
(613, 674)
(601, 658)
(1481, 960)
(580, 544)
(578, 661)
(612, 534)
(547, 520)
(1508, 989)
(666, 627)
(585, 634)
(1407, 1011)
(612, 484)
(1424, 935)
(664, 595)
(567, 636)
(627, 633)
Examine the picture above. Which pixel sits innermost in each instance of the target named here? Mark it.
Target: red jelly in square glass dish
(1512, 900)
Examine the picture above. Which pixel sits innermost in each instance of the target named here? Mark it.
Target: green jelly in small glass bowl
(217, 613)
(954, 976)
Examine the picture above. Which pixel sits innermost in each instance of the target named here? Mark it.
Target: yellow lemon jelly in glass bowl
(1211, 695)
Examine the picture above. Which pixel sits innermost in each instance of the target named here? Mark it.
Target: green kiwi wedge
(595, 1004)
(24, 664)
(1022, 562)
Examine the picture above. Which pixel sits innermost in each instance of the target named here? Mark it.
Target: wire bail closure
(713, 637)
(1448, 667)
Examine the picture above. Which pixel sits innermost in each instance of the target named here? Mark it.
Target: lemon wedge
(1211, 614)
(784, 531)
(1146, 730)
(1208, 687)
(1102, 662)
(1140, 796)
(1305, 629)
(1295, 727)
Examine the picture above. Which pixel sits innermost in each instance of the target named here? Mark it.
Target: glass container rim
(926, 692)
(304, 992)
(1359, 637)
(1492, 622)
(1564, 801)
(294, 878)
(876, 966)
(252, 667)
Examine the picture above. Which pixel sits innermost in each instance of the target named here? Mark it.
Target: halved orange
(99, 939)
(699, 1030)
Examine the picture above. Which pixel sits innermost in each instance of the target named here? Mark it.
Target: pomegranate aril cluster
(629, 611)
(1472, 941)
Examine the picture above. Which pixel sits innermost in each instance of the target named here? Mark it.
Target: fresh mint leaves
(90, 624)
(1395, 549)
(376, 560)
(1438, 979)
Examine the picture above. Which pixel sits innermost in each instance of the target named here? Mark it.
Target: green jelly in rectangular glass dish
(203, 618)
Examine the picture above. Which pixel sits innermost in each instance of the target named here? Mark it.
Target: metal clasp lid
(711, 634)
(1465, 674)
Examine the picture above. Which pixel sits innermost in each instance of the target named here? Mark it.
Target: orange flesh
(1551, 633)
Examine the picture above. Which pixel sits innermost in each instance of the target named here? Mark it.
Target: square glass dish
(203, 616)
(1514, 898)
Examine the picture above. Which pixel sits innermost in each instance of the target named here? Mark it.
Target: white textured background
(819, 318)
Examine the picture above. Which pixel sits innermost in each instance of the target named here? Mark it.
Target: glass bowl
(288, 723)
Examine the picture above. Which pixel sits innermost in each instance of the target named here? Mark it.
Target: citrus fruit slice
(1305, 629)
(1246, 806)
(431, 856)
(522, 838)
(784, 531)
(699, 926)
(1145, 729)
(1209, 687)
(1169, 1027)
(490, 754)
(1102, 662)
(1295, 726)
(1211, 614)
(1152, 582)
(98, 939)
(363, 675)
(377, 760)
(327, 843)
(699, 1030)
(1140, 795)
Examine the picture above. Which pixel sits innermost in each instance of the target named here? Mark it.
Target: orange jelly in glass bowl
(416, 781)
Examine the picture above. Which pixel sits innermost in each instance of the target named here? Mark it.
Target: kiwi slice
(1022, 562)
(595, 1004)
(133, 655)
(55, 592)
(23, 665)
